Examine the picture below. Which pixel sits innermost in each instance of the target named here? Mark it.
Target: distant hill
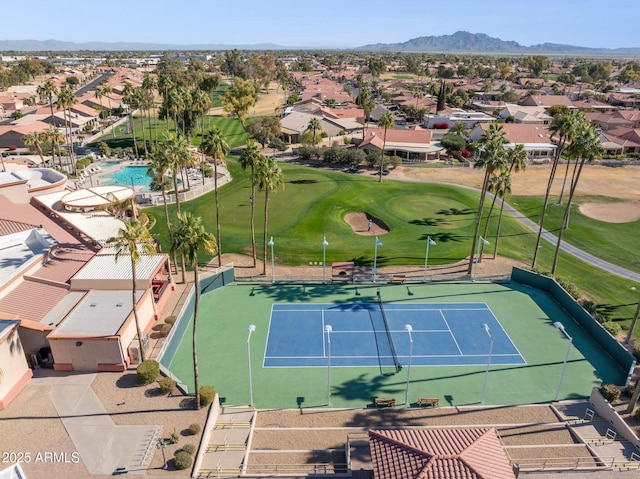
(60, 46)
(465, 42)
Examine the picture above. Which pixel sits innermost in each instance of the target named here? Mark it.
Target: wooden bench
(398, 278)
(385, 402)
(429, 402)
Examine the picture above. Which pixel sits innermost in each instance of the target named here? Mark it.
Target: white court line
(451, 333)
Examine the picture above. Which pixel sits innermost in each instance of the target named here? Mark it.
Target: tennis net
(394, 355)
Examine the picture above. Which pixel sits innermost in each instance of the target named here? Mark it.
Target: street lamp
(486, 372)
(430, 242)
(328, 330)
(560, 326)
(250, 329)
(481, 241)
(273, 272)
(325, 243)
(409, 329)
(375, 258)
(161, 445)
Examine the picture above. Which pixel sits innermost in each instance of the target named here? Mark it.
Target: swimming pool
(131, 175)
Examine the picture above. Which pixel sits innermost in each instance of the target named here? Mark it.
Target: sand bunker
(625, 212)
(365, 224)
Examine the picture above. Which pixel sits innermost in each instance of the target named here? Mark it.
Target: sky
(324, 23)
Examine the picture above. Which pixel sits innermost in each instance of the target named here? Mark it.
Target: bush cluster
(611, 392)
(148, 371)
(182, 460)
(207, 393)
(167, 385)
(569, 287)
(189, 448)
(194, 429)
(636, 351)
(612, 327)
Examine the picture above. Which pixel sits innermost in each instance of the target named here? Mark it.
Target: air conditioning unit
(145, 340)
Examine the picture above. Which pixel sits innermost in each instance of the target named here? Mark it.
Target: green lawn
(231, 127)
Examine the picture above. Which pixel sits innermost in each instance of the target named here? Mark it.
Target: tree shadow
(428, 222)
(127, 381)
(444, 237)
(456, 212)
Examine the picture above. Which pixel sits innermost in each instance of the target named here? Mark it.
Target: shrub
(170, 319)
(207, 393)
(167, 385)
(164, 330)
(570, 288)
(182, 460)
(612, 328)
(636, 351)
(189, 448)
(611, 392)
(589, 306)
(194, 429)
(148, 371)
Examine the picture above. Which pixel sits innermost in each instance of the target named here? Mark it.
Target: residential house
(15, 372)
(454, 115)
(526, 114)
(547, 101)
(296, 123)
(536, 139)
(11, 136)
(410, 145)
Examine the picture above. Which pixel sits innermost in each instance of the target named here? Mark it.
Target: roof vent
(373, 133)
(119, 305)
(93, 305)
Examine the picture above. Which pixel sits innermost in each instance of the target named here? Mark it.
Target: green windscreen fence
(624, 359)
(207, 284)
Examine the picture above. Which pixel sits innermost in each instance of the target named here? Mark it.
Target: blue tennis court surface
(444, 334)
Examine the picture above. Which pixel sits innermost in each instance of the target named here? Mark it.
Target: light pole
(273, 271)
(161, 445)
(481, 241)
(251, 329)
(328, 330)
(486, 372)
(409, 329)
(375, 258)
(560, 326)
(324, 259)
(430, 242)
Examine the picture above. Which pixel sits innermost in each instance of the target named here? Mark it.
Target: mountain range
(465, 42)
(459, 42)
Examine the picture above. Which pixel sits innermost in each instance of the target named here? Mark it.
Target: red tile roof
(8, 227)
(32, 300)
(438, 454)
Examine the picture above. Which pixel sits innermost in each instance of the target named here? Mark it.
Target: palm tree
(141, 100)
(158, 168)
(49, 89)
(313, 126)
(56, 138)
(501, 188)
(173, 105)
(460, 129)
(269, 177)
(214, 145)
(34, 140)
(586, 146)
(189, 238)
(131, 239)
(66, 99)
(564, 126)
(148, 85)
(492, 159)
(386, 121)
(129, 97)
(99, 93)
(250, 158)
(200, 102)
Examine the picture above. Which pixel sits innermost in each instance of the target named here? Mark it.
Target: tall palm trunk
(166, 218)
(134, 291)
(483, 193)
(486, 227)
(215, 187)
(495, 247)
(566, 217)
(253, 214)
(266, 209)
(132, 122)
(564, 182)
(144, 138)
(552, 175)
(196, 380)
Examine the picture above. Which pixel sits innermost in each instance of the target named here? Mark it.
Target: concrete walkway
(104, 447)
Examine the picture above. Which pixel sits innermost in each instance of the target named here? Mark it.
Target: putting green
(526, 314)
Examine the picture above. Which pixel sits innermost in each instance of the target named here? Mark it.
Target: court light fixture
(375, 258)
(325, 243)
(430, 242)
(328, 330)
(409, 329)
(250, 329)
(481, 241)
(560, 326)
(486, 372)
(273, 271)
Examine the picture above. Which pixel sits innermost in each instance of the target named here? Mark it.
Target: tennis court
(443, 334)
(289, 347)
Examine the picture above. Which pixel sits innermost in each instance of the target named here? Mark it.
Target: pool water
(131, 175)
(107, 164)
